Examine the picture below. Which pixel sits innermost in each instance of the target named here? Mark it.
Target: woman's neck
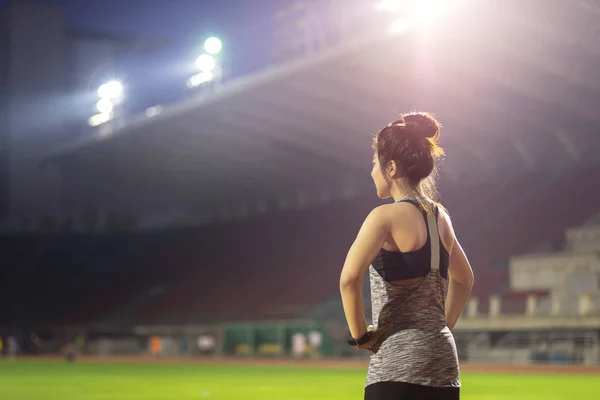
(400, 192)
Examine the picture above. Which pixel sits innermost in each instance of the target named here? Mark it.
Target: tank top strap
(434, 239)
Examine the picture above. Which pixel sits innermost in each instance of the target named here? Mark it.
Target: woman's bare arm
(371, 237)
(461, 282)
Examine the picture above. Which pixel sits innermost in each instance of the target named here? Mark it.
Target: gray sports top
(417, 347)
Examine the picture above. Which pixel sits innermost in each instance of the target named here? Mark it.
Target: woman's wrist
(357, 341)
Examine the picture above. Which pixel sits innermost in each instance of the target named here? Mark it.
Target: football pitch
(57, 380)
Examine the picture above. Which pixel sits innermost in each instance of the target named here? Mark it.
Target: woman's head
(406, 155)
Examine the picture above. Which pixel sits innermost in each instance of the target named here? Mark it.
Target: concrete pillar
(586, 304)
(472, 307)
(531, 305)
(557, 304)
(495, 306)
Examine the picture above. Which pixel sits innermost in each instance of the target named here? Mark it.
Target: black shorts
(409, 391)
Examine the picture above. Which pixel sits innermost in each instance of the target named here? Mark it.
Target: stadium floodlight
(213, 45)
(99, 119)
(206, 63)
(112, 90)
(104, 106)
(200, 79)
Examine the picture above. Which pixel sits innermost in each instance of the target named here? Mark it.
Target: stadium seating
(279, 265)
(269, 267)
(540, 217)
(290, 281)
(51, 267)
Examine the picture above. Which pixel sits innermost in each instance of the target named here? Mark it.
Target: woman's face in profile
(381, 184)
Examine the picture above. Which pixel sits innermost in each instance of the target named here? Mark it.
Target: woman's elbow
(349, 282)
(466, 278)
(470, 277)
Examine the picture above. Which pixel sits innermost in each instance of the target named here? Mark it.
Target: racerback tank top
(416, 345)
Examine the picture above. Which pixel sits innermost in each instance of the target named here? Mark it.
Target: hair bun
(411, 142)
(422, 124)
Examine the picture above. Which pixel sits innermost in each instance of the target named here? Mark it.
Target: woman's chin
(383, 196)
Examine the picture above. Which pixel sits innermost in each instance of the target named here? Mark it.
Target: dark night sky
(172, 18)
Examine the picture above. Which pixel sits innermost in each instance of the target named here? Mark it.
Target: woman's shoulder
(443, 214)
(393, 211)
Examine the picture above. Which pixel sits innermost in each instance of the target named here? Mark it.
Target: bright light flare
(200, 79)
(413, 8)
(413, 13)
(104, 106)
(390, 5)
(206, 63)
(99, 119)
(112, 90)
(213, 45)
(427, 9)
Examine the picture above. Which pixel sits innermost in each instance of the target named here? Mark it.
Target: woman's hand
(375, 335)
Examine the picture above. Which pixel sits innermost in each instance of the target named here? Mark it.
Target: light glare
(200, 79)
(104, 106)
(413, 13)
(390, 5)
(99, 119)
(111, 90)
(419, 9)
(213, 45)
(206, 63)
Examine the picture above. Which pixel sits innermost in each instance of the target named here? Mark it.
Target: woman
(413, 252)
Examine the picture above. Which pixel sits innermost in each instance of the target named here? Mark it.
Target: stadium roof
(512, 92)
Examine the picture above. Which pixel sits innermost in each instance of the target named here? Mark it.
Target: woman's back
(408, 231)
(415, 345)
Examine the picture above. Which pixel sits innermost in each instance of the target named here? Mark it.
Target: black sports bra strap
(433, 234)
(411, 201)
(423, 212)
(416, 204)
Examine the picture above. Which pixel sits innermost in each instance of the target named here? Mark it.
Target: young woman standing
(411, 252)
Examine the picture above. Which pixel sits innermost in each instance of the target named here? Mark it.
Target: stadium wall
(498, 343)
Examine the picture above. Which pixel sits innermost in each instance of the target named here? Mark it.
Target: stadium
(181, 251)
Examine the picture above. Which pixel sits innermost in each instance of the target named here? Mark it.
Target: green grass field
(33, 380)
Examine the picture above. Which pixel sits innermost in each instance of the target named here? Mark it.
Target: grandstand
(299, 134)
(550, 310)
(245, 201)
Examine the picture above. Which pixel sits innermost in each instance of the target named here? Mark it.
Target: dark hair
(411, 142)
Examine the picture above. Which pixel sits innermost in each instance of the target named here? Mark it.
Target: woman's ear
(392, 169)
